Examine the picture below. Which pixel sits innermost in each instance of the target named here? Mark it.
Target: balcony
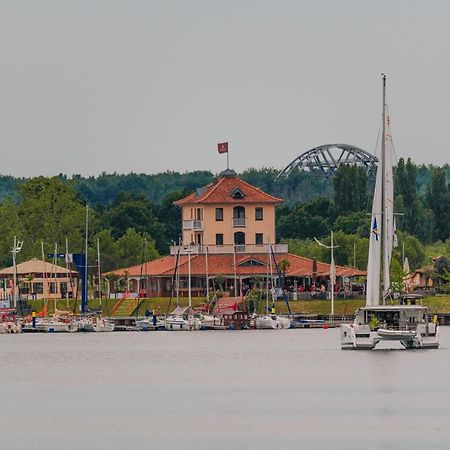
(196, 225)
(228, 249)
(239, 222)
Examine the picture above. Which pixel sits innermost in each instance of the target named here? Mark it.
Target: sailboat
(271, 321)
(95, 322)
(408, 323)
(182, 318)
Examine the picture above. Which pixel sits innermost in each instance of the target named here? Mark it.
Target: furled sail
(374, 261)
(388, 194)
(382, 226)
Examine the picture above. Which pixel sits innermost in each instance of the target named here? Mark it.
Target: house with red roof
(228, 242)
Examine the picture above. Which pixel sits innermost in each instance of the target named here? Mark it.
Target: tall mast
(385, 227)
(99, 274)
(86, 290)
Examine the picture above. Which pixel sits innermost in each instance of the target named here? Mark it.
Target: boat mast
(86, 290)
(99, 274)
(384, 228)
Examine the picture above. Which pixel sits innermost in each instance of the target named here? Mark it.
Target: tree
(49, 210)
(134, 248)
(170, 215)
(441, 273)
(134, 210)
(9, 227)
(354, 223)
(350, 189)
(438, 200)
(397, 276)
(414, 250)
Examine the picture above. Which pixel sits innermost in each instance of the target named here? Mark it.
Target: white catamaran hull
(360, 337)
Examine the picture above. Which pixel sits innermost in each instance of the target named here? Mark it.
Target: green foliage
(397, 276)
(49, 210)
(134, 210)
(297, 223)
(350, 189)
(414, 250)
(441, 275)
(438, 200)
(354, 223)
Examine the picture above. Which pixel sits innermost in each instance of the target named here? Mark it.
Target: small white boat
(96, 324)
(148, 325)
(56, 325)
(209, 322)
(182, 319)
(179, 323)
(272, 321)
(396, 335)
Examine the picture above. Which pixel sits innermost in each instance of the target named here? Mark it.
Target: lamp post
(332, 268)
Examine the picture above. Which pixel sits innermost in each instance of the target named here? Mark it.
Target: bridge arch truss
(325, 159)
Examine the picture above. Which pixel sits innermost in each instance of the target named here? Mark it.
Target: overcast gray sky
(149, 86)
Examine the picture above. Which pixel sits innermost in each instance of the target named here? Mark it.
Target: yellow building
(229, 213)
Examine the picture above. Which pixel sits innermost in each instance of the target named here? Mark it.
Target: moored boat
(9, 324)
(96, 324)
(272, 321)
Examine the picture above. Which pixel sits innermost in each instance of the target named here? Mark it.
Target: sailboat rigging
(409, 323)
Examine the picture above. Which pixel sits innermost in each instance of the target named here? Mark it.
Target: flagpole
(228, 160)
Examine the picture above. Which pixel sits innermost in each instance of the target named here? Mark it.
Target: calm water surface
(287, 389)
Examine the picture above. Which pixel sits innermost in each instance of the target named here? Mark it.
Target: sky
(150, 86)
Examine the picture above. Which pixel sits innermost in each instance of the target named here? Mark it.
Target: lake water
(287, 389)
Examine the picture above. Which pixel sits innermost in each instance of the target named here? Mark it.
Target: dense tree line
(134, 218)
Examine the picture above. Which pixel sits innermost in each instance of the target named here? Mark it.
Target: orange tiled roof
(221, 190)
(223, 265)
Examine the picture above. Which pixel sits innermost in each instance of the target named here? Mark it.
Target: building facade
(228, 216)
(228, 244)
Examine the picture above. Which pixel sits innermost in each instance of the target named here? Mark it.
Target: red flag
(222, 147)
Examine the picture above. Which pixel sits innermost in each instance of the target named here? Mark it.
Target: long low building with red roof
(155, 277)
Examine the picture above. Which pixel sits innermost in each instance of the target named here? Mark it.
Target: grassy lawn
(436, 304)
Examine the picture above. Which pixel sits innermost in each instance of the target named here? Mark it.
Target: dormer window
(237, 194)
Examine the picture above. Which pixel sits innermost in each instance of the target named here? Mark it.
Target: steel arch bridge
(325, 159)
